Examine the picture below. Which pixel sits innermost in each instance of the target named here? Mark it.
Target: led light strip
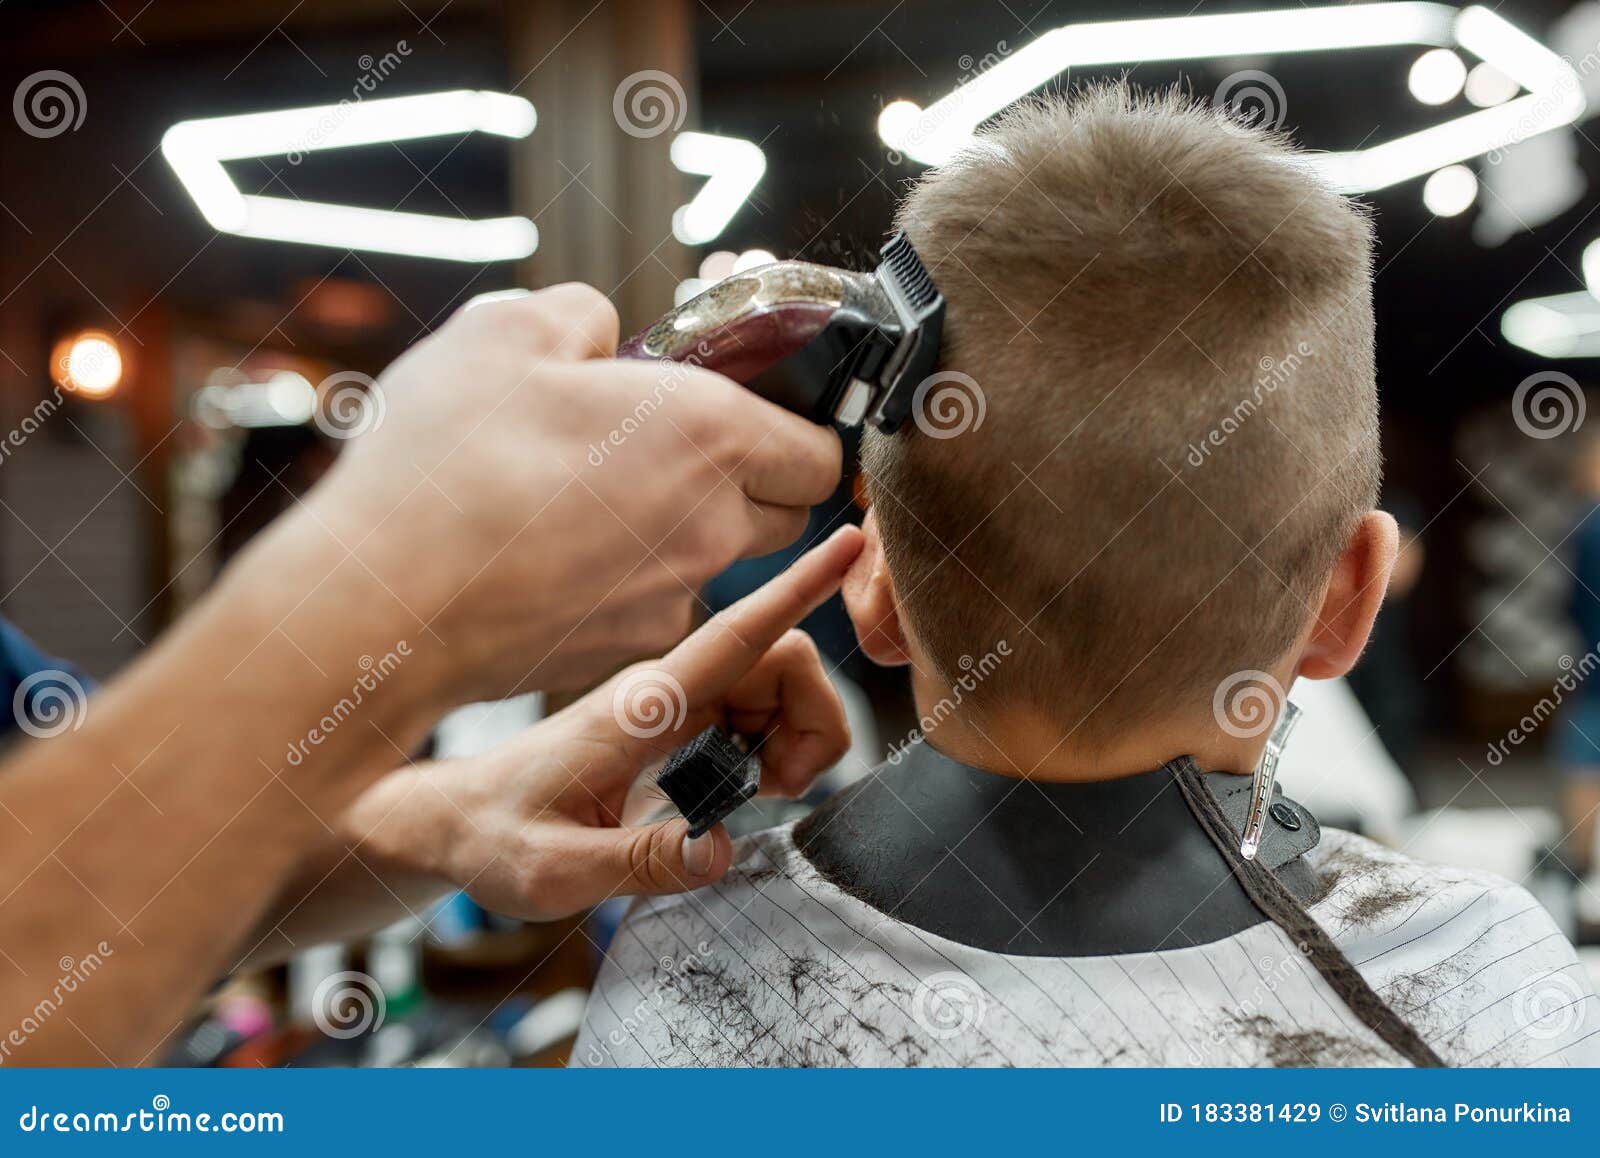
(196, 149)
(1560, 326)
(733, 168)
(1554, 98)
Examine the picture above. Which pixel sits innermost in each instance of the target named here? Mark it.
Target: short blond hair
(1168, 319)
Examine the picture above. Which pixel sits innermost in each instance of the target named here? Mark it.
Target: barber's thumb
(661, 858)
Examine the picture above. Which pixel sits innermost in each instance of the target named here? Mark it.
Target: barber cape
(1066, 925)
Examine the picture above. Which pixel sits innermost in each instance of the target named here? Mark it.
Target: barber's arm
(471, 536)
(538, 827)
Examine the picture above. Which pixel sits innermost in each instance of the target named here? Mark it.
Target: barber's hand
(543, 514)
(536, 828)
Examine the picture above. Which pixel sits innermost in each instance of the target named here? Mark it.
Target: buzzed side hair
(1165, 321)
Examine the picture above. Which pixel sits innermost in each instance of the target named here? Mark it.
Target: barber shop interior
(758, 533)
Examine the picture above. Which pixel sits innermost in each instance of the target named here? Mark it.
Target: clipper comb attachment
(709, 777)
(919, 308)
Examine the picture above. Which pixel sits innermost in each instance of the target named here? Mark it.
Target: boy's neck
(1023, 743)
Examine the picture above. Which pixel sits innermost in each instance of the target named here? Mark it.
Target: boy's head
(1165, 323)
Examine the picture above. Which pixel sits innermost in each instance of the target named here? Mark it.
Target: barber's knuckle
(796, 644)
(647, 866)
(575, 297)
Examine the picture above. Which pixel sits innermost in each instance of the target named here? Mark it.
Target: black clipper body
(828, 344)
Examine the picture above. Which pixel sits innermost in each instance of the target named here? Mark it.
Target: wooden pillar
(601, 187)
(150, 400)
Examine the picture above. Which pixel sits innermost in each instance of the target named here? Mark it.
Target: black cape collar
(1045, 869)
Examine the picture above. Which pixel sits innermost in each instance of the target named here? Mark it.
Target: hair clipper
(831, 345)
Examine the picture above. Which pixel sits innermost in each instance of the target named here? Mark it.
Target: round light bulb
(1450, 191)
(1437, 76)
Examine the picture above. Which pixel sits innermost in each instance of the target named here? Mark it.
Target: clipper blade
(708, 778)
(918, 327)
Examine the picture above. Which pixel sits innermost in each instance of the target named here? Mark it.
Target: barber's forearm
(377, 866)
(156, 835)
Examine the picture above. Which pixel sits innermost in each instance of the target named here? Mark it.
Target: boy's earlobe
(1354, 595)
(870, 600)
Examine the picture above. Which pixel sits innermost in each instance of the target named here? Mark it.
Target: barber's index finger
(715, 656)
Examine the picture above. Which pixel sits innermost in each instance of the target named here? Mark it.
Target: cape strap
(1269, 895)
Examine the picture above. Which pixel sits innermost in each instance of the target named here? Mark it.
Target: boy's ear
(1351, 602)
(870, 600)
